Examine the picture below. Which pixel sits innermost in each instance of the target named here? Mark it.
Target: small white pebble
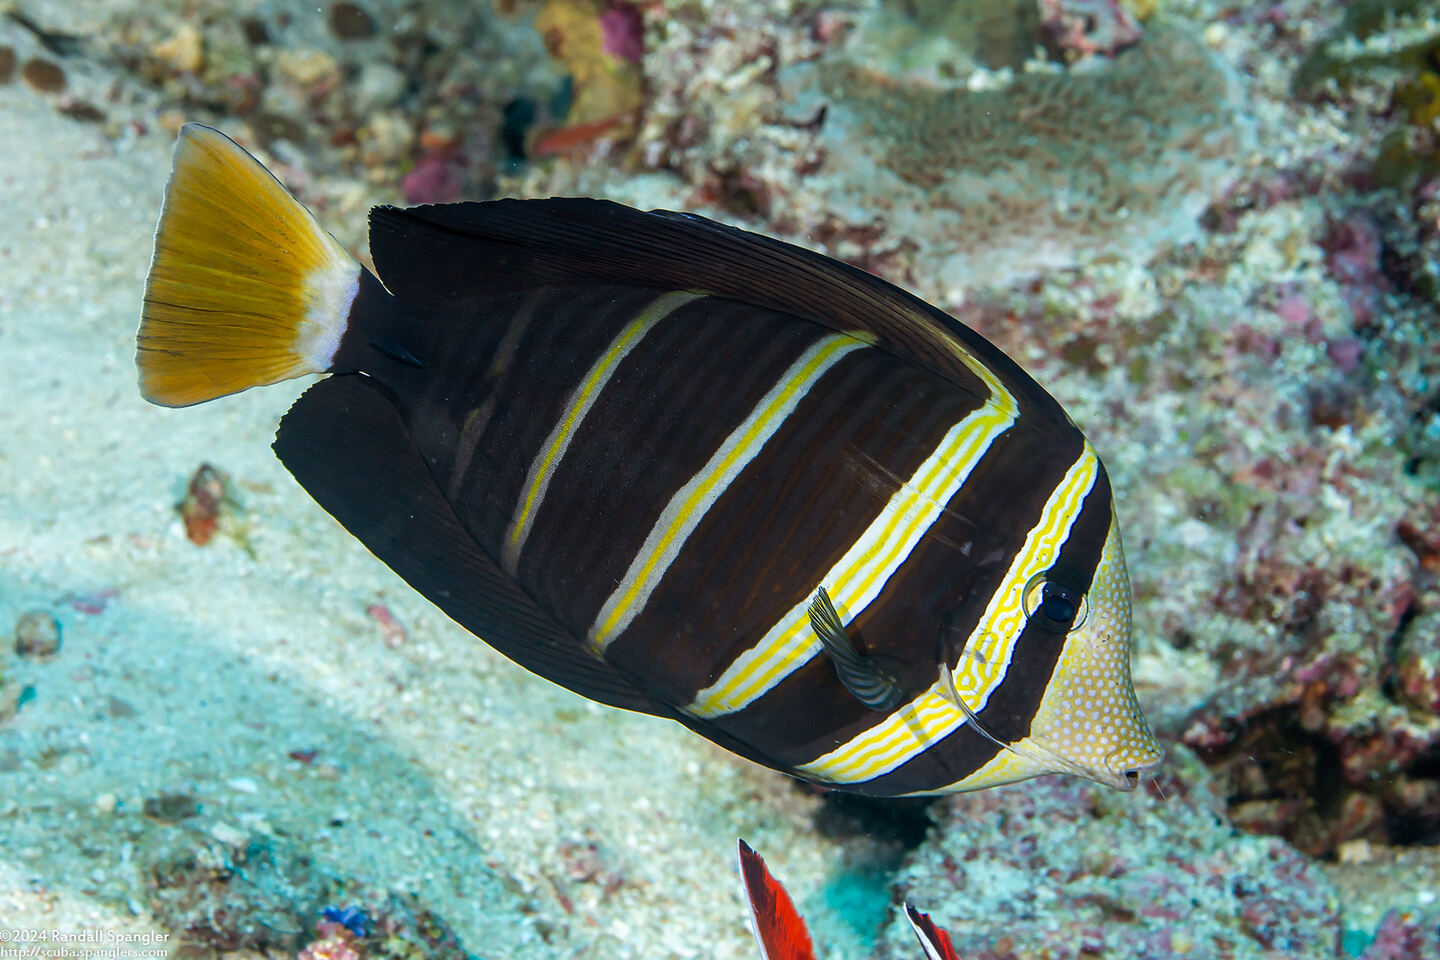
(1354, 851)
(228, 835)
(243, 785)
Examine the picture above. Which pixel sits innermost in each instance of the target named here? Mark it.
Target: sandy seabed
(188, 676)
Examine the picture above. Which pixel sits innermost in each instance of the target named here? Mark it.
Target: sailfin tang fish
(630, 450)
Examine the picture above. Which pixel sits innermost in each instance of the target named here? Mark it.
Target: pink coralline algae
(1352, 254)
(434, 179)
(624, 32)
(1294, 310)
(336, 946)
(1067, 870)
(1403, 937)
(1085, 27)
(1353, 250)
(390, 628)
(92, 602)
(1345, 352)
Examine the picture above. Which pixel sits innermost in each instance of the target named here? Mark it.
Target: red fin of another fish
(934, 939)
(346, 443)
(778, 927)
(568, 138)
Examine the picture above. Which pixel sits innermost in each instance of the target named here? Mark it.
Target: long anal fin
(345, 441)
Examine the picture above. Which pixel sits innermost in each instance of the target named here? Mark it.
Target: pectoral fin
(863, 676)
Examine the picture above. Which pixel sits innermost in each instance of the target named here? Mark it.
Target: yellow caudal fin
(245, 288)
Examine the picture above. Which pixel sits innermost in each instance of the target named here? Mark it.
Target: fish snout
(1125, 765)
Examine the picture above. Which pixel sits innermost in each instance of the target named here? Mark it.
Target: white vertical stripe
(688, 506)
(916, 726)
(552, 451)
(859, 576)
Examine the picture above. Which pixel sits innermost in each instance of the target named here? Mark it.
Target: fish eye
(1052, 605)
(1056, 605)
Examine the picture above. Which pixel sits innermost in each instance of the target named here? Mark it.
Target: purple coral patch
(434, 179)
(1067, 869)
(1085, 27)
(624, 32)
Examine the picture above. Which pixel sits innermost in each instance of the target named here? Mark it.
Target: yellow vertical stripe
(1109, 735)
(478, 419)
(552, 451)
(919, 724)
(688, 506)
(858, 577)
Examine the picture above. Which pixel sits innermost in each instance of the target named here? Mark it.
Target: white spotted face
(1089, 718)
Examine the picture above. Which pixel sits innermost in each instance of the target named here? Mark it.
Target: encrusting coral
(1037, 173)
(1065, 869)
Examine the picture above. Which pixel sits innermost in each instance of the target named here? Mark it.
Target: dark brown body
(678, 468)
(484, 370)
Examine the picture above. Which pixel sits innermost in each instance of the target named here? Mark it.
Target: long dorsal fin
(346, 443)
(439, 253)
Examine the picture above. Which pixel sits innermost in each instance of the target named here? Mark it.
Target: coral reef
(247, 894)
(263, 893)
(847, 125)
(397, 930)
(1085, 27)
(1401, 937)
(351, 104)
(1285, 514)
(1040, 172)
(599, 47)
(1373, 38)
(887, 140)
(1065, 869)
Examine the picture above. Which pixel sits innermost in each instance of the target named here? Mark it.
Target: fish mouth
(1123, 776)
(1127, 781)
